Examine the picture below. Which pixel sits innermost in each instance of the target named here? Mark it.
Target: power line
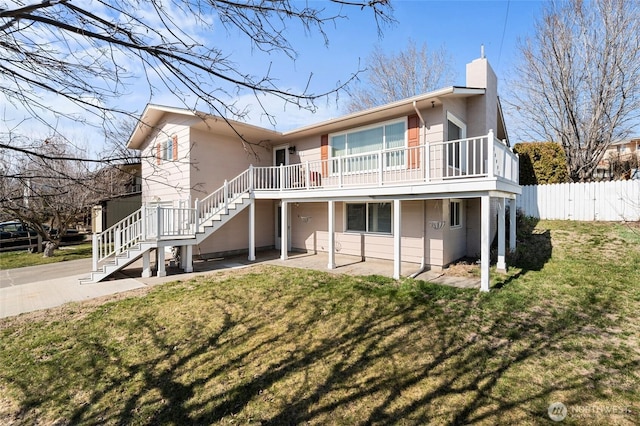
(504, 30)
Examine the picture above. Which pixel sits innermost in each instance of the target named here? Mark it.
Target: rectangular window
(357, 217)
(364, 143)
(168, 150)
(454, 214)
(369, 217)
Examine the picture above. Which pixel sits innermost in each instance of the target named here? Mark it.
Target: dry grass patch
(271, 345)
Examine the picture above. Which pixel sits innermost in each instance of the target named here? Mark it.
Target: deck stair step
(208, 224)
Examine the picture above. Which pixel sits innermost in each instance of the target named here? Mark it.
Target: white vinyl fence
(591, 201)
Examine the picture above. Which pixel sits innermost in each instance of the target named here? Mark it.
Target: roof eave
(387, 108)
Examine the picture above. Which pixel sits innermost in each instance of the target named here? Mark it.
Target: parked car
(15, 235)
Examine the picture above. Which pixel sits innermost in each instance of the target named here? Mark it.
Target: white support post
(95, 251)
(225, 197)
(397, 239)
(307, 177)
(146, 264)
(187, 255)
(485, 242)
(284, 237)
(491, 161)
(252, 231)
(502, 264)
(250, 183)
(340, 172)
(162, 272)
(332, 235)
(512, 225)
(183, 258)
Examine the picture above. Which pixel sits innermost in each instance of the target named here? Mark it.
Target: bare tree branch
(410, 72)
(578, 82)
(88, 56)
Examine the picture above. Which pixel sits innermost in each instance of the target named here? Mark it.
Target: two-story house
(423, 180)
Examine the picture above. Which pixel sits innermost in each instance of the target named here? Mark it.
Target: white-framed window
(167, 152)
(371, 139)
(455, 214)
(369, 217)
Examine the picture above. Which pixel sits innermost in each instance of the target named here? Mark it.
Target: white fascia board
(451, 189)
(388, 109)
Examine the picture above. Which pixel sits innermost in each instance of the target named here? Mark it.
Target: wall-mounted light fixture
(292, 149)
(433, 104)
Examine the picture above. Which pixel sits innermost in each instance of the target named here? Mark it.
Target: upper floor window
(386, 136)
(168, 150)
(360, 142)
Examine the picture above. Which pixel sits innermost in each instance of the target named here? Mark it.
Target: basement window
(455, 215)
(369, 217)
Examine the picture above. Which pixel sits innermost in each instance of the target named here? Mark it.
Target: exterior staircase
(154, 227)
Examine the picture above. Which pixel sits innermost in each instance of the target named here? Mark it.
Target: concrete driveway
(46, 286)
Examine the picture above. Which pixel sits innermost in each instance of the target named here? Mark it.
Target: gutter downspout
(418, 112)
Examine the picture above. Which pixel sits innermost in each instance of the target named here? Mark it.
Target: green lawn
(22, 258)
(272, 345)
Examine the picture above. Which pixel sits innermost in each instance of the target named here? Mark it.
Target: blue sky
(460, 26)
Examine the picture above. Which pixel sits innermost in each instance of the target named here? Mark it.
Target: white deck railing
(217, 203)
(118, 238)
(470, 158)
(459, 159)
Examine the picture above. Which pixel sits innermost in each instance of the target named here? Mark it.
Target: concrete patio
(46, 286)
(345, 264)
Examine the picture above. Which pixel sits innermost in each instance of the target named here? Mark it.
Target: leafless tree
(89, 53)
(43, 186)
(410, 72)
(578, 81)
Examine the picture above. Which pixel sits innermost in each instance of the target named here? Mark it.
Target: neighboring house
(616, 157)
(124, 184)
(423, 180)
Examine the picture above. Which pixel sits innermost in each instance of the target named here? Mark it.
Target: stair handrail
(218, 201)
(117, 238)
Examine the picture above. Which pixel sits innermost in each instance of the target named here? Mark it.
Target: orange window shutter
(324, 154)
(175, 147)
(414, 141)
(158, 153)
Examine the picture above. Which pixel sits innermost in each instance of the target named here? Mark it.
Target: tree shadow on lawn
(370, 355)
(533, 249)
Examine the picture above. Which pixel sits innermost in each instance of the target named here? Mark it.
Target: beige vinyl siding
(307, 149)
(168, 181)
(215, 158)
(473, 227)
(455, 239)
(457, 107)
(434, 246)
(234, 235)
(309, 232)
